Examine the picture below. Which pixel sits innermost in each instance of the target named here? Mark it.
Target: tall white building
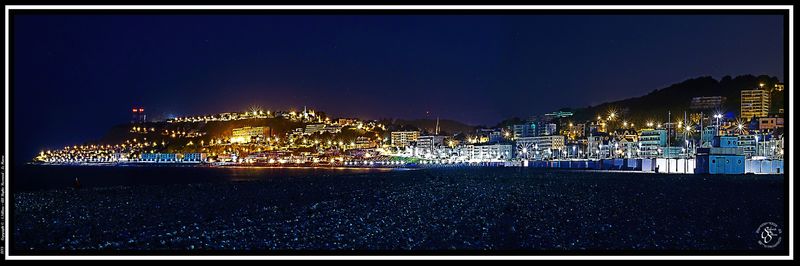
(429, 142)
(650, 141)
(494, 152)
(404, 138)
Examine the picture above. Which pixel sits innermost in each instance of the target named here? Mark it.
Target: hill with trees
(677, 98)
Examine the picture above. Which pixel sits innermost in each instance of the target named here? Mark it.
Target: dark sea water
(168, 208)
(43, 177)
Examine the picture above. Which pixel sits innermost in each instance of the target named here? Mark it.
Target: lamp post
(757, 149)
(616, 147)
(573, 151)
(686, 149)
(525, 153)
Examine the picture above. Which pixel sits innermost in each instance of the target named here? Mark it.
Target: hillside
(161, 131)
(677, 97)
(650, 107)
(214, 129)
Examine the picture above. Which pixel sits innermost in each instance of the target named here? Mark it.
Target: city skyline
(464, 68)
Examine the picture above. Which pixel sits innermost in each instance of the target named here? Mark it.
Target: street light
(757, 149)
(687, 148)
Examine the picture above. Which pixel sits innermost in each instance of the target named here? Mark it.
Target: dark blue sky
(77, 75)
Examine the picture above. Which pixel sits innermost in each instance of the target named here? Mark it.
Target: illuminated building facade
(365, 143)
(755, 103)
(159, 157)
(194, 157)
(490, 152)
(541, 146)
(404, 138)
(524, 130)
(558, 114)
(707, 103)
(249, 134)
(651, 140)
(766, 123)
(429, 142)
(314, 128)
(548, 129)
(346, 121)
(748, 143)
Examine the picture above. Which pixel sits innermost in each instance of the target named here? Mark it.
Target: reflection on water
(39, 177)
(260, 173)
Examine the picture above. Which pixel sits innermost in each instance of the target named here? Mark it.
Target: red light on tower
(138, 115)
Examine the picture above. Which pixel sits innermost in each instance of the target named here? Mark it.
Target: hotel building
(249, 134)
(404, 138)
(755, 103)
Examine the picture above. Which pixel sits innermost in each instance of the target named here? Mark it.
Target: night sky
(77, 75)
